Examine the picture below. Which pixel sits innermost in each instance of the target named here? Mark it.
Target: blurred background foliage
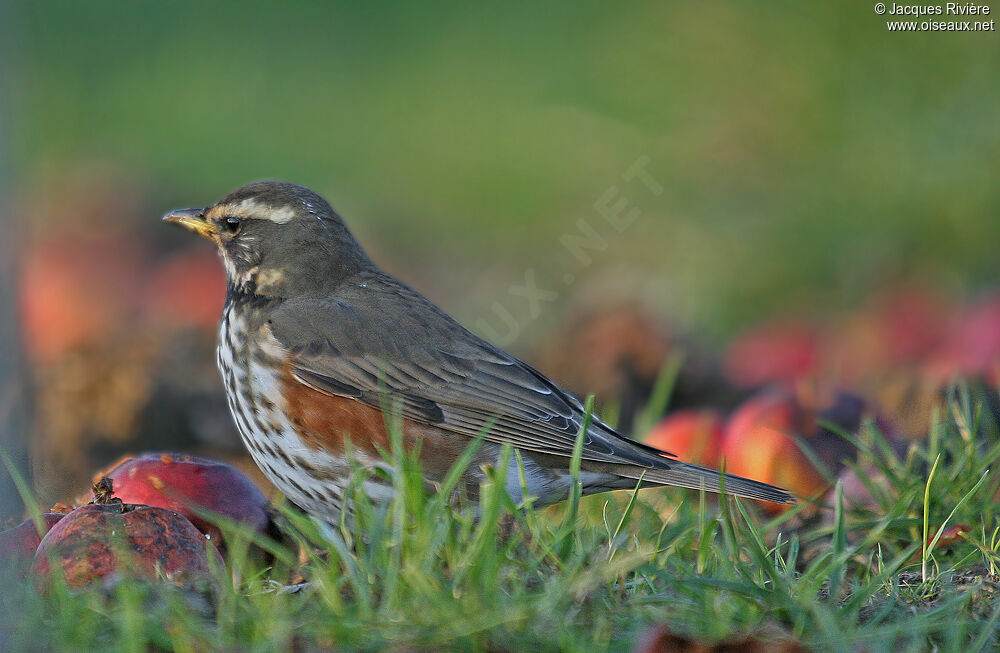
(806, 153)
(808, 159)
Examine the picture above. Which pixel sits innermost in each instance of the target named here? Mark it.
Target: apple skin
(911, 323)
(75, 289)
(775, 408)
(772, 354)
(99, 542)
(972, 347)
(18, 544)
(189, 484)
(759, 444)
(187, 290)
(693, 435)
(767, 454)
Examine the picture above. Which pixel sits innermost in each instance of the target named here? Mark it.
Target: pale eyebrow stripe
(251, 208)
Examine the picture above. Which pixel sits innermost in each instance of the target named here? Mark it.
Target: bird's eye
(232, 224)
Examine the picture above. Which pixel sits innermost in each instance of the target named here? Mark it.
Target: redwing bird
(315, 340)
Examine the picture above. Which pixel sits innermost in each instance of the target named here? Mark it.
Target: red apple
(692, 435)
(911, 323)
(760, 438)
(972, 346)
(75, 289)
(18, 544)
(767, 454)
(100, 541)
(777, 353)
(775, 408)
(759, 444)
(187, 290)
(189, 485)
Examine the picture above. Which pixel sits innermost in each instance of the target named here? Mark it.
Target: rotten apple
(109, 539)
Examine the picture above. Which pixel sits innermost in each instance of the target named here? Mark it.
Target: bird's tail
(682, 474)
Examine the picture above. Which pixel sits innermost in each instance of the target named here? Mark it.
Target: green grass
(590, 574)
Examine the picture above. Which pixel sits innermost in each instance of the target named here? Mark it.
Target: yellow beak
(193, 220)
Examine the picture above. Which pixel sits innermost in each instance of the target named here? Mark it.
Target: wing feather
(382, 343)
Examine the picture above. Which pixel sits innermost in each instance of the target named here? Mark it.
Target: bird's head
(276, 238)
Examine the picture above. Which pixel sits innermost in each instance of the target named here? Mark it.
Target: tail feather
(685, 475)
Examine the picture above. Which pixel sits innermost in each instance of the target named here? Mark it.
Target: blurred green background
(805, 158)
(807, 155)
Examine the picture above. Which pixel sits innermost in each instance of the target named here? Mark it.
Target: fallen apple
(693, 435)
(18, 544)
(759, 443)
(187, 290)
(192, 486)
(104, 540)
(775, 408)
(770, 455)
(775, 353)
(77, 288)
